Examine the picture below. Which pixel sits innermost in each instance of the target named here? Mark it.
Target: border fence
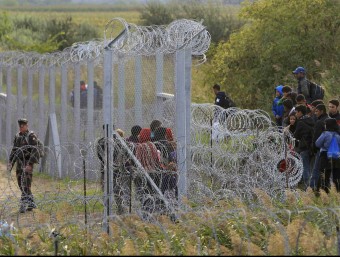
(224, 158)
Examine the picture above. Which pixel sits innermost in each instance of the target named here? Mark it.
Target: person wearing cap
(303, 88)
(333, 111)
(328, 167)
(25, 154)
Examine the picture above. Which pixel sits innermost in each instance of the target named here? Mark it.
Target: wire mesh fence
(234, 195)
(94, 194)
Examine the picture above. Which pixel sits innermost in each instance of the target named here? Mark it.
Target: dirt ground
(42, 185)
(7, 180)
(9, 186)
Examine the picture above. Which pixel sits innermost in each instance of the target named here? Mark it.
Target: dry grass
(303, 224)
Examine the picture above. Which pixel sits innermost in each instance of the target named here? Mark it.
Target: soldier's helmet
(22, 121)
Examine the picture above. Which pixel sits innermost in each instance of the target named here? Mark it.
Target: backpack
(40, 146)
(316, 92)
(333, 151)
(227, 102)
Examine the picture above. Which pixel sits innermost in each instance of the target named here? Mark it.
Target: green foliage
(217, 17)
(58, 6)
(41, 35)
(280, 35)
(9, 3)
(5, 24)
(156, 13)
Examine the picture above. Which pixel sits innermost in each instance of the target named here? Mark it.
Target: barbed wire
(240, 160)
(136, 40)
(240, 165)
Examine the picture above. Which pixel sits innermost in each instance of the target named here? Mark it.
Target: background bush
(43, 35)
(279, 36)
(220, 19)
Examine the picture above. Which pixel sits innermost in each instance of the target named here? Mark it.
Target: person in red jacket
(147, 134)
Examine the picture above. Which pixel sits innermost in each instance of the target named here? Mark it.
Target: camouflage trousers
(24, 180)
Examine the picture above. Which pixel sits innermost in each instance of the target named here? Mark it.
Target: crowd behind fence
(221, 153)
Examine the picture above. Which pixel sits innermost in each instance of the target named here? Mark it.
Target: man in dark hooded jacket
(321, 115)
(221, 98)
(304, 137)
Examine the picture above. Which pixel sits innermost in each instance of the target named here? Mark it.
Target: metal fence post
(159, 84)
(19, 92)
(181, 123)
(138, 91)
(107, 116)
(9, 109)
(90, 101)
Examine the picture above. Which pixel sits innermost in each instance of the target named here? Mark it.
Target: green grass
(97, 17)
(74, 8)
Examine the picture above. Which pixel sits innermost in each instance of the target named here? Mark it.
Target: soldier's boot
(30, 203)
(23, 203)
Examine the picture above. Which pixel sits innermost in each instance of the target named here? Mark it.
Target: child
(278, 109)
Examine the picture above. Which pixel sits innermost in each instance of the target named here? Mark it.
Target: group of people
(304, 115)
(97, 93)
(313, 123)
(155, 150)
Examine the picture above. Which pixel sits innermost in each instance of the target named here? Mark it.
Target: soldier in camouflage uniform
(25, 154)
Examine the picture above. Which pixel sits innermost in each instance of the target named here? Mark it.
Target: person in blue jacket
(328, 166)
(276, 108)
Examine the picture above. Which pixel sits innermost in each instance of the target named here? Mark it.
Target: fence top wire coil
(133, 40)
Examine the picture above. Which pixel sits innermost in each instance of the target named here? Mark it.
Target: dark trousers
(151, 201)
(122, 189)
(328, 167)
(278, 122)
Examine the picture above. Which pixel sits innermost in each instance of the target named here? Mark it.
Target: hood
(220, 94)
(279, 88)
(308, 120)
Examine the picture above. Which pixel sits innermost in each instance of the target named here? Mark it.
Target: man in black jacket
(304, 136)
(320, 114)
(221, 98)
(333, 110)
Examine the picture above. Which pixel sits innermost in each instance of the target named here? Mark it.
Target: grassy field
(97, 18)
